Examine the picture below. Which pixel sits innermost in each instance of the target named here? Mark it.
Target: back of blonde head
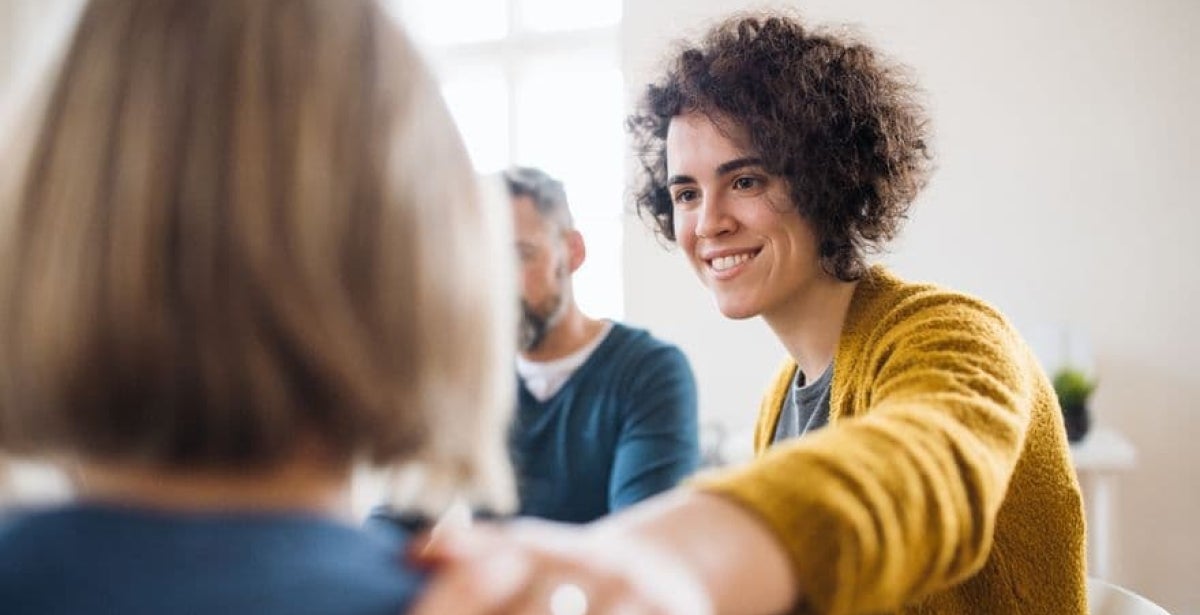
(241, 224)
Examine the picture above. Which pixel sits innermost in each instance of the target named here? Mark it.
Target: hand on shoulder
(523, 567)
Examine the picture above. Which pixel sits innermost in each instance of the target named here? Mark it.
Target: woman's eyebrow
(722, 169)
(738, 163)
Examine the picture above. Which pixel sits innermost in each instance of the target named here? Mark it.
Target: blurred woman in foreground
(244, 252)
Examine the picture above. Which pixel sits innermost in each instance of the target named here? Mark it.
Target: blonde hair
(244, 223)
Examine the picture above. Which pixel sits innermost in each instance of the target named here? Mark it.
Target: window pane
(478, 100)
(569, 122)
(549, 15)
(451, 22)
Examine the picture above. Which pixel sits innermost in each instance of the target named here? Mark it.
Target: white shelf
(1103, 450)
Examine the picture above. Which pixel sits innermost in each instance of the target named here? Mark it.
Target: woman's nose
(713, 219)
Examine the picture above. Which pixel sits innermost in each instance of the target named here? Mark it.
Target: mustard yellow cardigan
(942, 484)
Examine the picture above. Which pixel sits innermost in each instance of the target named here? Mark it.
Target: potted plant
(1074, 388)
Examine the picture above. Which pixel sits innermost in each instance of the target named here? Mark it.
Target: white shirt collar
(544, 379)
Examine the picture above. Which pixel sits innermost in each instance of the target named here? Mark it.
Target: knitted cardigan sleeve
(898, 498)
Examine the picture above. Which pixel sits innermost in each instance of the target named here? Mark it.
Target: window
(539, 83)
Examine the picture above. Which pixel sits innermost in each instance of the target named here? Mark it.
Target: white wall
(1066, 193)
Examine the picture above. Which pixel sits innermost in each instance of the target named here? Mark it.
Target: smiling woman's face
(735, 222)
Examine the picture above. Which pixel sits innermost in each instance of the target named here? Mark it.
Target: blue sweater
(111, 561)
(621, 429)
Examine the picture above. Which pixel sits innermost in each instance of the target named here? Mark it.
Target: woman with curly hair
(911, 458)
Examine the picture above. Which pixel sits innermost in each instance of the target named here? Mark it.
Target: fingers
(473, 574)
(456, 517)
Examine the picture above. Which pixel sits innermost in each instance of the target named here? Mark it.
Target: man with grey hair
(606, 413)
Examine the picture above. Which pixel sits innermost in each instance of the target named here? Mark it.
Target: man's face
(544, 271)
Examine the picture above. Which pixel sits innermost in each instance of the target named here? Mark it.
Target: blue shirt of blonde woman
(104, 560)
(622, 428)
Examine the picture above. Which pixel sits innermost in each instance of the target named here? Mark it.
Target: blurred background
(1066, 144)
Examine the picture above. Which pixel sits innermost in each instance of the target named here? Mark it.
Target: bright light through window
(440, 23)
(569, 118)
(552, 15)
(478, 100)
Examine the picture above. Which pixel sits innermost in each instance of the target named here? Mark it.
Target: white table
(1099, 458)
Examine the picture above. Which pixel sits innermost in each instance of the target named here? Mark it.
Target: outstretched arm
(901, 500)
(682, 553)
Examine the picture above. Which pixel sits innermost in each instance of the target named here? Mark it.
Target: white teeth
(722, 263)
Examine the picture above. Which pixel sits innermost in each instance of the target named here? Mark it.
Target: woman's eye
(745, 183)
(684, 196)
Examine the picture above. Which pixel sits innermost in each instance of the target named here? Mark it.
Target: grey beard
(532, 330)
(534, 324)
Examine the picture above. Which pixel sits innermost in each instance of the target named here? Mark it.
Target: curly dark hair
(841, 124)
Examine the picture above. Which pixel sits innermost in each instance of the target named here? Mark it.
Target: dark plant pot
(1078, 420)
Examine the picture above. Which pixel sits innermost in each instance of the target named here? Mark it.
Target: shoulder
(31, 552)
(635, 342)
(641, 357)
(885, 305)
(896, 329)
(21, 533)
(260, 563)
